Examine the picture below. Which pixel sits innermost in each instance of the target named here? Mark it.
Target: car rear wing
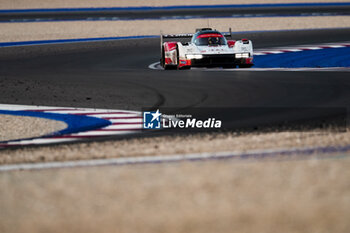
(228, 34)
(188, 35)
(173, 36)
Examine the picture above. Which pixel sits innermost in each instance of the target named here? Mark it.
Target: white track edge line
(143, 159)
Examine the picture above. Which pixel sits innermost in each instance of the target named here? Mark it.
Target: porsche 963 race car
(207, 48)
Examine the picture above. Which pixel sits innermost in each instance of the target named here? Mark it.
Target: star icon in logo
(156, 115)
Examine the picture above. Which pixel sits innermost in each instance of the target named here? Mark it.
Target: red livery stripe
(209, 35)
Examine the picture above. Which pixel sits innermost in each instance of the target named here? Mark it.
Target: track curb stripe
(75, 123)
(301, 48)
(82, 123)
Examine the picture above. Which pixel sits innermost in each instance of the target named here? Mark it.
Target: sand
(85, 29)
(305, 196)
(17, 127)
(169, 145)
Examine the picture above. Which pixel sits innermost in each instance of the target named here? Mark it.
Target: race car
(207, 48)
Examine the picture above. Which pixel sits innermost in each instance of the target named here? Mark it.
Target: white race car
(207, 48)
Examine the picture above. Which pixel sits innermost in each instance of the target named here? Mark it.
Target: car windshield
(210, 41)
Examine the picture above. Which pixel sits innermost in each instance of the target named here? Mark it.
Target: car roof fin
(203, 29)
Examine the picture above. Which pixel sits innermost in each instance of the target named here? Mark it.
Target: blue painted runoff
(75, 123)
(331, 57)
(61, 41)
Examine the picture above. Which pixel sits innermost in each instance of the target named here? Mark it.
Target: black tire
(177, 58)
(230, 66)
(245, 65)
(162, 59)
(185, 68)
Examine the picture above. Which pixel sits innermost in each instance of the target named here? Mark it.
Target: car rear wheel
(162, 59)
(245, 65)
(177, 58)
(229, 66)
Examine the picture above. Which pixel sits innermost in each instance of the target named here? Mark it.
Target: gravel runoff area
(16, 127)
(170, 145)
(23, 4)
(266, 196)
(86, 29)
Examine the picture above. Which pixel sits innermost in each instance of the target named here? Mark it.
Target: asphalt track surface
(115, 75)
(254, 10)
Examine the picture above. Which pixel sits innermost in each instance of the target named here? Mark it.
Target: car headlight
(194, 56)
(242, 55)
